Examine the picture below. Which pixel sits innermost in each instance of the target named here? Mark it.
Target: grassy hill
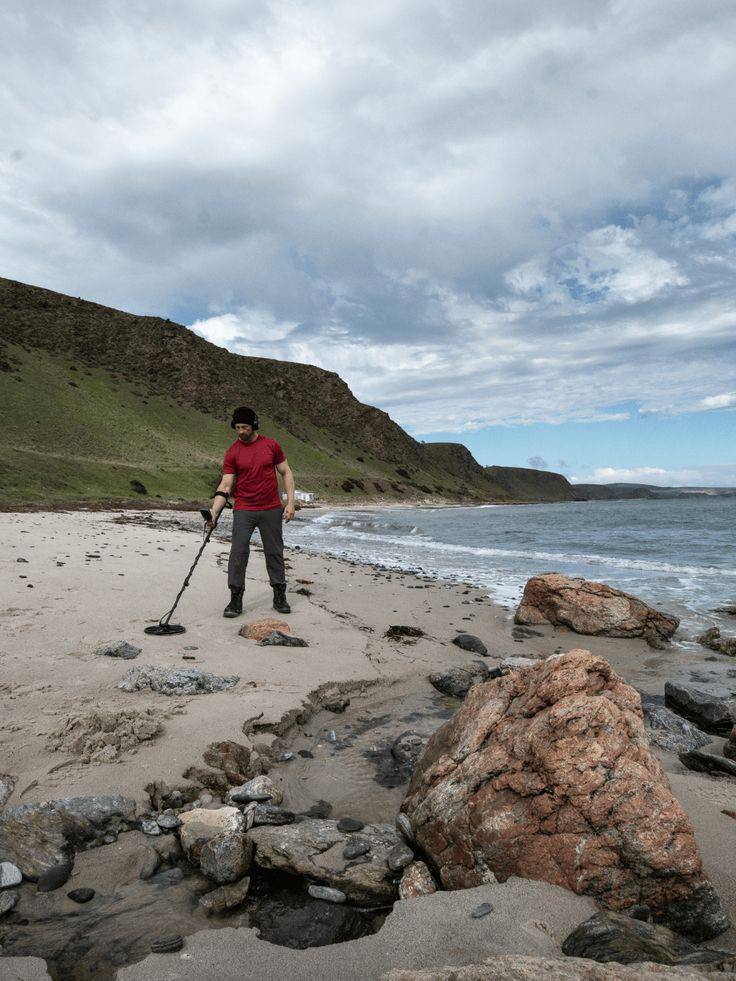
(532, 485)
(101, 405)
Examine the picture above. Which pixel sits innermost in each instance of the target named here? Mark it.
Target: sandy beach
(75, 581)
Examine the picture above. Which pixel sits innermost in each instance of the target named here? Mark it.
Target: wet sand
(91, 578)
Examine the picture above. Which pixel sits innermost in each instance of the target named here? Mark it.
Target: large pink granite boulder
(546, 773)
(591, 608)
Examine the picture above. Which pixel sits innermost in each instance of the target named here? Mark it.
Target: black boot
(235, 607)
(279, 599)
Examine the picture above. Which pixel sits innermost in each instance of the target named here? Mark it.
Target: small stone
(259, 789)
(10, 875)
(225, 897)
(327, 893)
(226, 858)
(167, 945)
(355, 848)
(168, 821)
(403, 826)
(279, 639)
(7, 901)
(416, 880)
(350, 824)
(399, 857)
(305, 754)
(120, 648)
(149, 864)
(284, 757)
(150, 827)
(270, 814)
(82, 895)
(469, 642)
(331, 736)
(55, 877)
(483, 910)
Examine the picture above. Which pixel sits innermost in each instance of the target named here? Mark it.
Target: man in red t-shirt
(250, 469)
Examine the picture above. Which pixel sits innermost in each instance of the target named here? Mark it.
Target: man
(250, 468)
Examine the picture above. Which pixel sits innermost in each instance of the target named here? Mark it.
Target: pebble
(331, 736)
(81, 895)
(399, 857)
(150, 827)
(284, 757)
(168, 821)
(329, 895)
(356, 848)
(305, 754)
(7, 901)
(170, 877)
(10, 875)
(349, 824)
(54, 877)
(167, 945)
(483, 910)
(403, 826)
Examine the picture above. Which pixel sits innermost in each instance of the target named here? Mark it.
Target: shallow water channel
(343, 766)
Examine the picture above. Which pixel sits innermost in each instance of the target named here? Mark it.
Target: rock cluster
(592, 608)
(722, 645)
(40, 838)
(175, 681)
(314, 848)
(546, 773)
(709, 712)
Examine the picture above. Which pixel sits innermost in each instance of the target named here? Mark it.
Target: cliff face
(522, 484)
(118, 392)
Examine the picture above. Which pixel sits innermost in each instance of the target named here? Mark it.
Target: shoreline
(98, 577)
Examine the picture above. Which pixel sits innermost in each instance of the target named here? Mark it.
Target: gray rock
(400, 856)
(709, 712)
(610, 936)
(10, 875)
(121, 648)
(279, 639)
(457, 681)
(83, 895)
(350, 824)
(55, 877)
(167, 945)
(175, 681)
(670, 731)
(7, 901)
(403, 826)
(285, 757)
(225, 897)
(39, 837)
(168, 821)
(270, 814)
(149, 864)
(7, 783)
(150, 827)
(327, 894)
(259, 789)
(407, 748)
(702, 762)
(355, 849)
(314, 848)
(482, 910)
(469, 642)
(227, 857)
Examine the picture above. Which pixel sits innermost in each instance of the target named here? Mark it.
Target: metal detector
(163, 628)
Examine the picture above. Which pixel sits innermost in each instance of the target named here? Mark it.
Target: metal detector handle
(206, 514)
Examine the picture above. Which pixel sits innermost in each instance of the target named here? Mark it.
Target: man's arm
(287, 478)
(218, 503)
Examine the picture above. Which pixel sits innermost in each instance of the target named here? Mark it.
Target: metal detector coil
(164, 627)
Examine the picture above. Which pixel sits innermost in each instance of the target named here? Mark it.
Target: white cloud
(696, 476)
(724, 401)
(476, 213)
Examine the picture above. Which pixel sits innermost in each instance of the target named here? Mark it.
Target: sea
(678, 555)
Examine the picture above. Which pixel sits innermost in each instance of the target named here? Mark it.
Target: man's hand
(211, 524)
(288, 512)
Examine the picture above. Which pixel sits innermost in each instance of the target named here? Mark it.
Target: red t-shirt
(256, 486)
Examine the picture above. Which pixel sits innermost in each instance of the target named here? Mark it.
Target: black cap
(244, 415)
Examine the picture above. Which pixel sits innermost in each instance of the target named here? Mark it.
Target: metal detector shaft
(163, 627)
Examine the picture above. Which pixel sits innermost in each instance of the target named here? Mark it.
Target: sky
(507, 224)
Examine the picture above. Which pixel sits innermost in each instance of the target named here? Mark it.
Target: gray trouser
(268, 524)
